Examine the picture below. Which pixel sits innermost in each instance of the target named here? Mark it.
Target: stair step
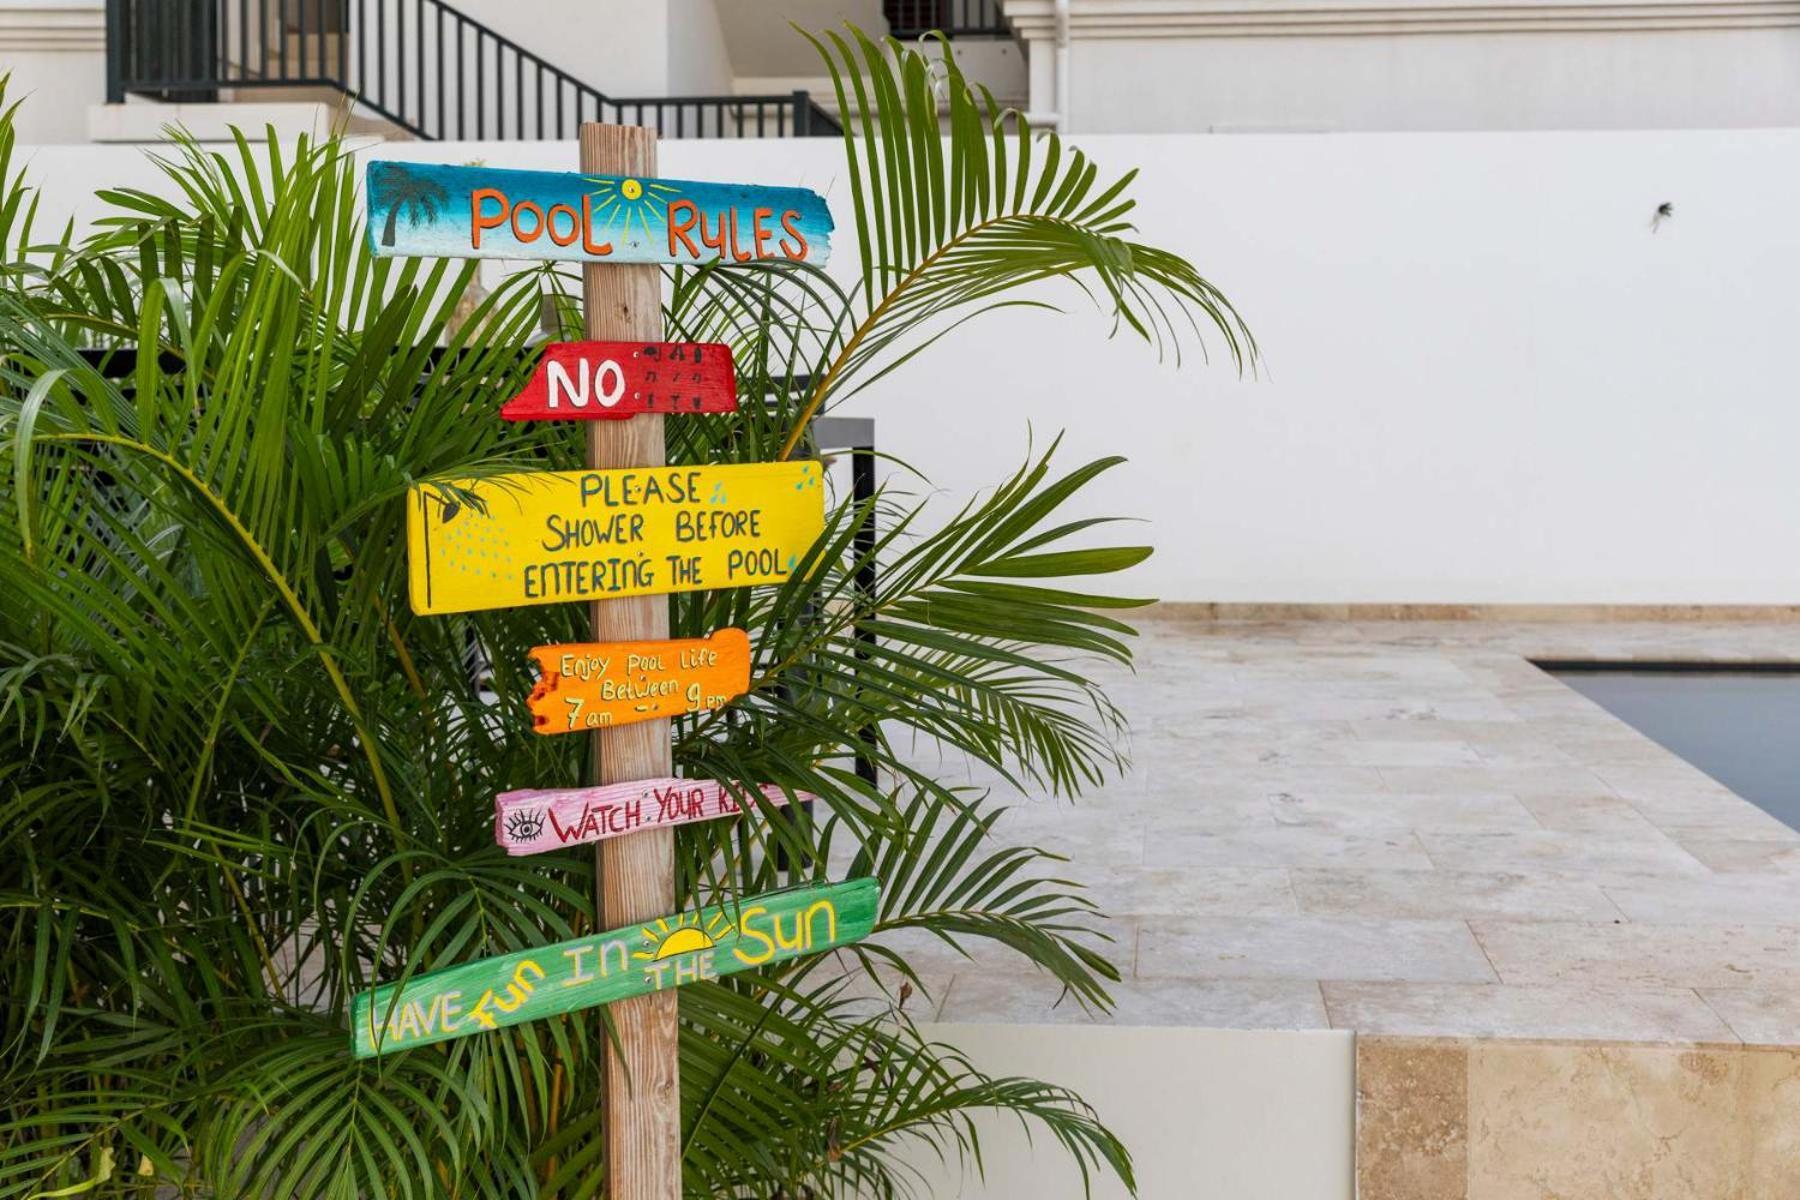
(143, 121)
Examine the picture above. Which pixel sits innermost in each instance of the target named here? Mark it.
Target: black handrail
(952, 18)
(421, 65)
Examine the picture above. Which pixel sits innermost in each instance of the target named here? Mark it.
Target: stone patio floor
(1407, 828)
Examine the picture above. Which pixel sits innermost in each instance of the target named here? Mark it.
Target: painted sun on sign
(620, 202)
(430, 209)
(671, 937)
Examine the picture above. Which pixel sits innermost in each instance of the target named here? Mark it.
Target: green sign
(662, 953)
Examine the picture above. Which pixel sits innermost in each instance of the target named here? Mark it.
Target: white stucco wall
(1193, 66)
(1583, 79)
(699, 62)
(1486, 378)
(55, 53)
(617, 46)
(1208, 1114)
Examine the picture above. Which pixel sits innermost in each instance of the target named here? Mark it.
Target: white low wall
(1487, 380)
(53, 57)
(1208, 1114)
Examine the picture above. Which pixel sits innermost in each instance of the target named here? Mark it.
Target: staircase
(422, 66)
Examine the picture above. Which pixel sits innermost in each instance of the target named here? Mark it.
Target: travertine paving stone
(1412, 1121)
(1195, 891)
(1481, 1010)
(1536, 952)
(1502, 1119)
(1293, 947)
(1632, 1122)
(1557, 855)
(1759, 1016)
(1406, 827)
(1209, 1003)
(1465, 895)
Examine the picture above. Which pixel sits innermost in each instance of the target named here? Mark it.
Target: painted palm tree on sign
(395, 189)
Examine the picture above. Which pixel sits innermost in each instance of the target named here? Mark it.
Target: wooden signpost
(620, 535)
(552, 536)
(640, 1075)
(596, 685)
(531, 821)
(642, 958)
(589, 381)
(617, 217)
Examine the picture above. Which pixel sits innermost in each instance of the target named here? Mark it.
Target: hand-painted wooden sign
(530, 985)
(429, 209)
(597, 685)
(532, 821)
(586, 381)
(547, 537)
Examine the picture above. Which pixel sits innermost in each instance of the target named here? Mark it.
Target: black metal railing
(952, 18)
(419, 64)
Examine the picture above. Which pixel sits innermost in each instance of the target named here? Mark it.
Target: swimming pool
(1739, 724)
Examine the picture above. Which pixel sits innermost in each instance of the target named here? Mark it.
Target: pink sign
(536, 820)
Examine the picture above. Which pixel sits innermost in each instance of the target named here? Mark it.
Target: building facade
(1086, 66)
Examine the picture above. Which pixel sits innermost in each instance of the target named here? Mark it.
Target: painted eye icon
(525, 824)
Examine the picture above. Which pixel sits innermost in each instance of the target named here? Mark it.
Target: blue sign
(430, 210)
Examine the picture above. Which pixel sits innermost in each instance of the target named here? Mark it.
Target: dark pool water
(1741, 726)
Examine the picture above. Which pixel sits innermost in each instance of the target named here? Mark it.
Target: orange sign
(596, 685)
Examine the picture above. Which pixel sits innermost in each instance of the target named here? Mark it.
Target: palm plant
(243, 782)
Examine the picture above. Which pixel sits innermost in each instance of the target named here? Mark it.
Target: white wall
(699, 63)
(1583, 79)
(1486, 379)
(55, 53)
(623, 48)
(1193, 66)
(1208, 1114)
(616, 46)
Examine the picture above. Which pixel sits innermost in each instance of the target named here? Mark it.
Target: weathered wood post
(641, 1084)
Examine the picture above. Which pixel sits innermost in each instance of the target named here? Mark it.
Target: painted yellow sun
(621, 203)
(667, 938)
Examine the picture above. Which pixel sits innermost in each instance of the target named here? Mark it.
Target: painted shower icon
(718, 493)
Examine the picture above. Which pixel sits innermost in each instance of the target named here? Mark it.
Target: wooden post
(641, 1083)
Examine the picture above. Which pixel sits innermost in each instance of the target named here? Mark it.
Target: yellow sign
(554, 536)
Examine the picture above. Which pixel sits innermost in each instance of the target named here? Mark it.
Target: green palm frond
(949, 223)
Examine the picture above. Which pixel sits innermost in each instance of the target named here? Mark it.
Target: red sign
(590, 381)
